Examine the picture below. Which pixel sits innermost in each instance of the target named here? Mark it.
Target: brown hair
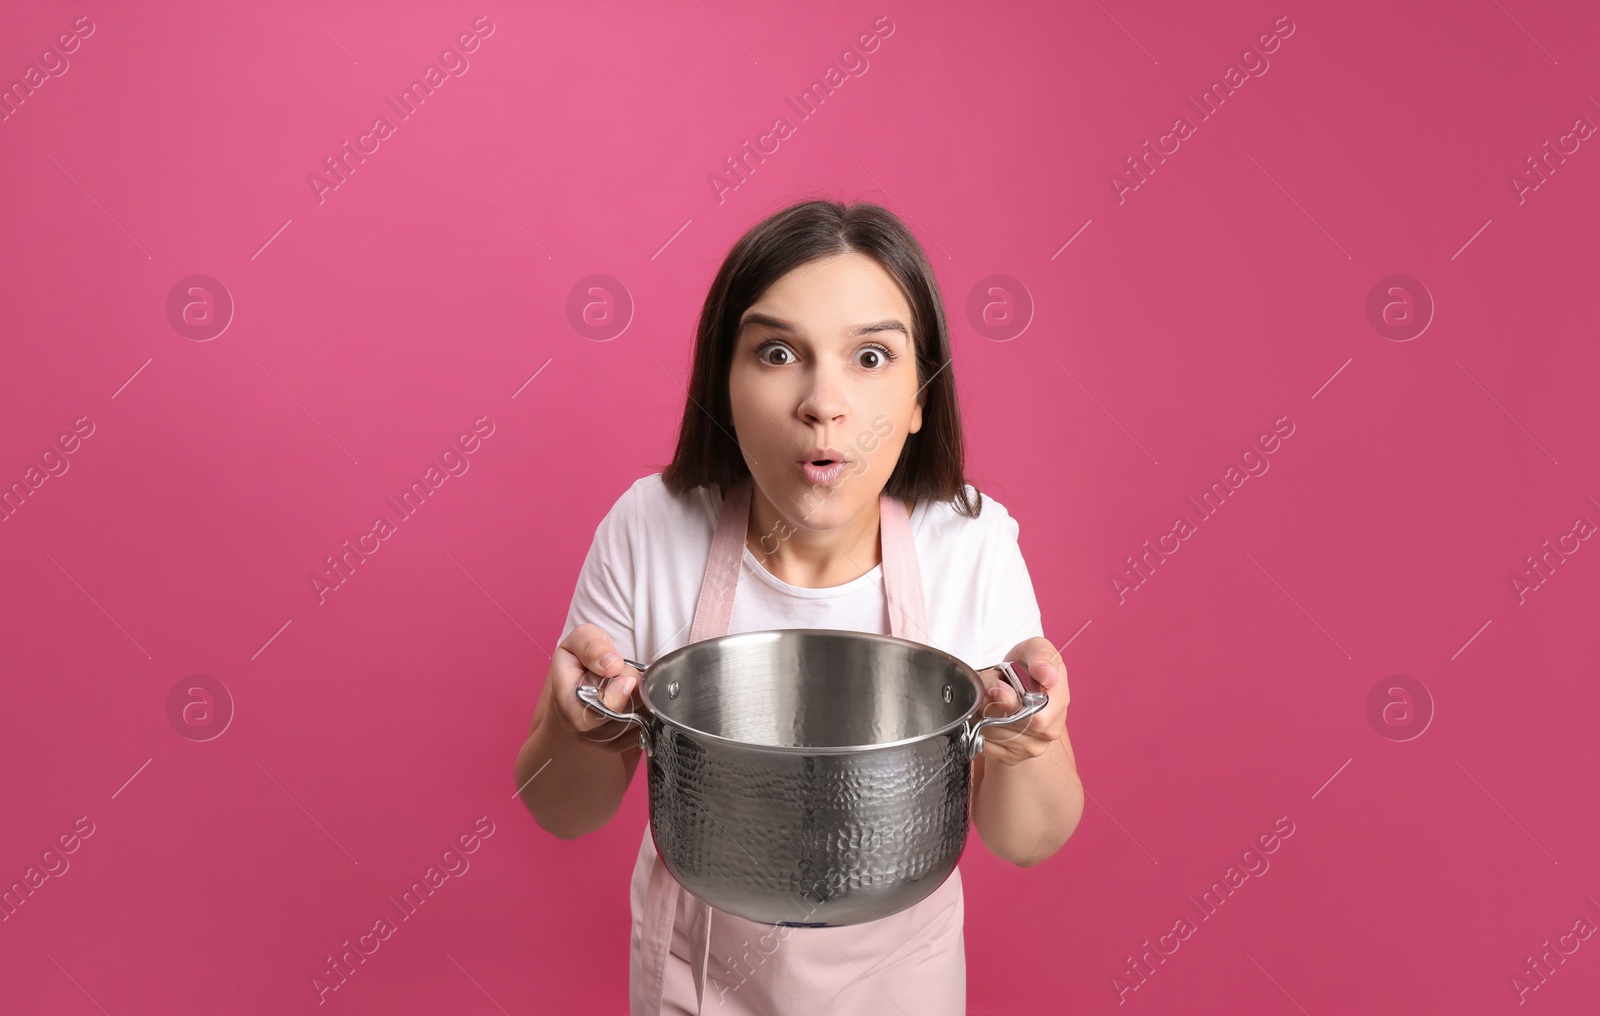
(931, 463)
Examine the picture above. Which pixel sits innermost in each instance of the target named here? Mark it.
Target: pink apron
(914, 960)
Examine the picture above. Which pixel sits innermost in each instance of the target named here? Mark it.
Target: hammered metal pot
(811, 777)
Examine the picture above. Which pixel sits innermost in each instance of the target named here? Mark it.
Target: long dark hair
(931, 463)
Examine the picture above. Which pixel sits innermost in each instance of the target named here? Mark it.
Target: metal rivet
(672, 690)
(948, 694)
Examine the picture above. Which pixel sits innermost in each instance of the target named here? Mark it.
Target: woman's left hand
(1019, 742)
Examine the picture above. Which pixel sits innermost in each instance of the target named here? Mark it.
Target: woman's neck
(811, 558)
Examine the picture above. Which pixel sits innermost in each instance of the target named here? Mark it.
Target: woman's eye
(880, 356)
(761, 354)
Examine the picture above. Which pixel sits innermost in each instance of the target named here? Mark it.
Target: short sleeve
(604, 593)
(1011, 610)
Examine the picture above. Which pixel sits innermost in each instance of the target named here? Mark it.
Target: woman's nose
(825, 401)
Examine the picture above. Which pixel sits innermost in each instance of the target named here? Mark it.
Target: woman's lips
(823, 476)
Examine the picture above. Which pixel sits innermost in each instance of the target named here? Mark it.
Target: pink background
(431, 289)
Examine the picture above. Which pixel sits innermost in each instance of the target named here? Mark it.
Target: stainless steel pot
(811, 777)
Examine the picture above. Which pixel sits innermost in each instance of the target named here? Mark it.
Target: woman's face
(824, 359)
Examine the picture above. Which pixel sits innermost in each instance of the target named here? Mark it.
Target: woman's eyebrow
(886, 325)
(778, 324)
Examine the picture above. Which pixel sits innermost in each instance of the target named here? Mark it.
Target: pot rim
(961, 722)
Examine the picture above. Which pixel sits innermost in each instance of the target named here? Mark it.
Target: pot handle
(1032, 702)
(589, 695)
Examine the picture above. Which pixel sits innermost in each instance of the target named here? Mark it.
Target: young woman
(822, 427)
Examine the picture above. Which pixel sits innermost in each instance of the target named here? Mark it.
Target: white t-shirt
(641, 580)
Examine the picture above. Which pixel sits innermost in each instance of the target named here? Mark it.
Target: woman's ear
(916, 416)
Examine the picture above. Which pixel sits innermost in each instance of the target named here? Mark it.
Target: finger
(582, 714)
(1046, 666)
(1000, 733)
(600, 656)
(621, 692)
(616, 694)
(586, 642)
(594, 649)
(1042, 668)
(1053, 714)
(1002, 701)
(1006, 752)
(1001, 693)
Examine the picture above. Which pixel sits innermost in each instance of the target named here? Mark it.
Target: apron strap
(714, 611)
(902, 578)
(701, 919)
(660, 914)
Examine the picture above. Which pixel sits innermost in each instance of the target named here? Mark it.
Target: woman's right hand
(587, 648)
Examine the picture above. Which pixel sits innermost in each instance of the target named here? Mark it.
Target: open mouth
(823, 472)
(824, 455)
